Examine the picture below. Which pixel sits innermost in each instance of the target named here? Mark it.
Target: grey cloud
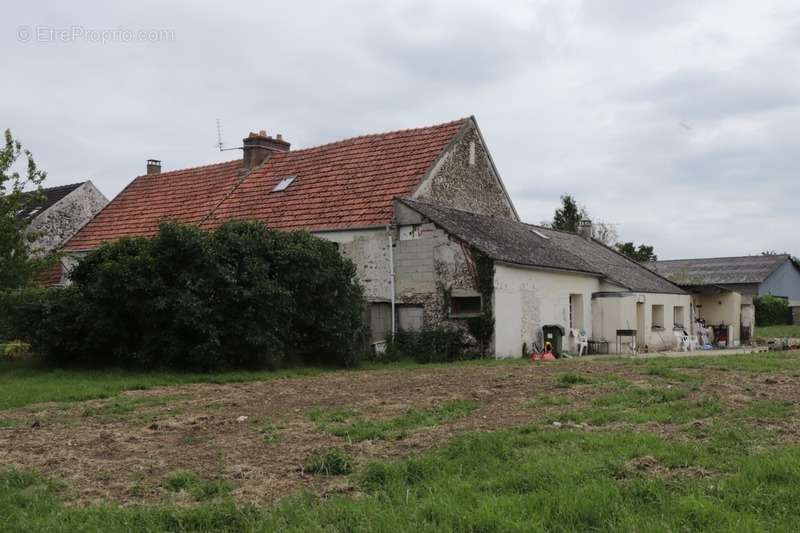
(460, 47)
(633, 15)
(707, 94)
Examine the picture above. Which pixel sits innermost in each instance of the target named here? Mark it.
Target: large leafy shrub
(241, 296)
(772, 311)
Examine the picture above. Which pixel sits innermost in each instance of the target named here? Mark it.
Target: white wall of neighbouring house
(525, 299)
(612, 312)
(722, 308)
(664, 339)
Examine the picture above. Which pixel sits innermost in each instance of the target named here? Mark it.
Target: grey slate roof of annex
(522, 244)
(720, 270)
(50, 196)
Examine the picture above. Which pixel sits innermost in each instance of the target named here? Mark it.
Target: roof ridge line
(54, 187)
(378, 134)
(724, 257)
(198, 167)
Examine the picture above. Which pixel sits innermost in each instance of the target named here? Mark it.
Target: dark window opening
(465, 305)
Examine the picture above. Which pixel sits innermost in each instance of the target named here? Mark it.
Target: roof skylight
(540, 234)
(284, 183)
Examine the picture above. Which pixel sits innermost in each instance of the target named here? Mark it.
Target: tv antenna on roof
(220, 144)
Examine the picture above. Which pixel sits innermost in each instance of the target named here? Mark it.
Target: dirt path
(122, 448)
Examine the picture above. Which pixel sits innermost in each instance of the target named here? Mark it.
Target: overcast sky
(678, 122)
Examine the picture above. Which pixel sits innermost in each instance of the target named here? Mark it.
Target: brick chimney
(153, 166)
(259, 146)
(585, 228)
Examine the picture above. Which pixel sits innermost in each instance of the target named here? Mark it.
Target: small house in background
(57, 214)
(54, 216)
(723, 288)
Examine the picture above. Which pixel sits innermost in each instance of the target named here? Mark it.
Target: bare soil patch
(257, 436)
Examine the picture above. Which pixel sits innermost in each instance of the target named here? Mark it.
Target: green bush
(241, 296)
(441, 344)
(51, 321)
(772, 311)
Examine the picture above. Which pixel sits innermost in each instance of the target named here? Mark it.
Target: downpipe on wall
(389, 230)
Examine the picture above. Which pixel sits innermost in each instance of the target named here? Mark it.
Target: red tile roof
(186, 195)
(345, 184)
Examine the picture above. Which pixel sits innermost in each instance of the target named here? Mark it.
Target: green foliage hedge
(241, 296)
(772, 311)
(441, 344)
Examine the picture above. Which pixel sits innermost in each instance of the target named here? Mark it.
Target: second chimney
(259, 146)
(585, 228)
(153, 166)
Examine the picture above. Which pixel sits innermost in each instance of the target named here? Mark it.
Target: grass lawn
(766, 332)
(663, 444)
(23, 383)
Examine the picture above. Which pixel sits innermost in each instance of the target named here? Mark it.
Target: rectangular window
(465, 306)
(576, 311)
(658, 317)
(677, 317)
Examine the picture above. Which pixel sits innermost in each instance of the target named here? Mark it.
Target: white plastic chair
(581, 340)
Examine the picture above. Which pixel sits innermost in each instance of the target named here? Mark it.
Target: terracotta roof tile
(345, 184)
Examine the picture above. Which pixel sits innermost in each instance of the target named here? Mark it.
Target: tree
(568, 217)
(16, 265)
(642, 254)
(605, 233)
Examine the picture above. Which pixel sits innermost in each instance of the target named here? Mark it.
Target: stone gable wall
(62, 220)
(464, 178)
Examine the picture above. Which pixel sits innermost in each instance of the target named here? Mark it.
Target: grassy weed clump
(331, 462)
(190, 483)
(569, 379)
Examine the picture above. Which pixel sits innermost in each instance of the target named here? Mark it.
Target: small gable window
(284, 183)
